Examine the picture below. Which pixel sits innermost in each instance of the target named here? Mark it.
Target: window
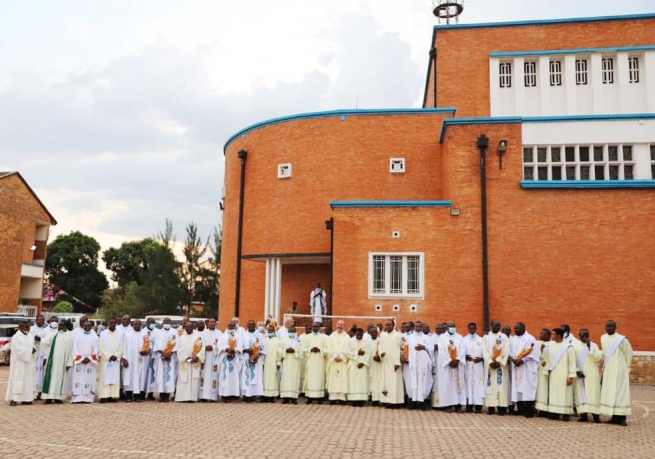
(608, 70)
(505, 75)
(581, 162)
(633, 67)
(396, 275)
(581, 75)
(556, 73)
(530, 74)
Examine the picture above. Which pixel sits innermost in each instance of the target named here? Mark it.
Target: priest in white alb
(525, 373)
(392, 391)
(20, 386)
(452, 363)
(587, 384)
(615, 389)
(375, 366)
(419, 368)
(135, 360)
(42, 330)
(271, 365)
(190, 356)
(314, 346)
(290, 355)
(474, 374)
(358, 353)
(60, 360)
(561, 367)
(495, 351)
(337, 364)
(252, 363)
(229, 367)
(85, 364)
(209, 379)
(166, 364)
(111, 350)
(541, 403)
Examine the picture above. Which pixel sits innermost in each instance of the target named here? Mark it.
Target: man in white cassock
(318, 303)
(337, 365)
(419, 368)
(271, 365)
(290, 355)
(541, 403)
(85, 364)
(20, 386)
(284, 330)
(315, 348)
(111, 350)
(615, 388)
(190, 356)
(136, 359)
(166, 364)
(60, 360)
(525, 373)
(587, 384)
(561, 367)
(252, 363)
(42, 330)
(452, 363)
(358, 353)
(209, 379)
(229, 363)
(392, 389)
(495, 351)
(439, 330)
(151, 375)
(474, 374)
(375, 366)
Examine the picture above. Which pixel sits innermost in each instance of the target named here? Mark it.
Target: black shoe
(59, 402)
(502, 411)
(309, 401)
(566, 418)
(103, 400)
(151, 397)
(491, 410)
(13, 403)
(48, 402)
(333, 402)
(597, 418)
(469, 408)
(478, 408)
(294, 401)
(584, 417)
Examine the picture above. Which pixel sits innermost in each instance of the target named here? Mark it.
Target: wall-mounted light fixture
(33, 248)
(502, 148)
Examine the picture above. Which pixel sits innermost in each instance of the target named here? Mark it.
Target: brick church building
(523, 189)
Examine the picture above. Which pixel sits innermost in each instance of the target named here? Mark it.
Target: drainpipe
(329, 225)
(433, 58)
(242, 155)
(483, 145)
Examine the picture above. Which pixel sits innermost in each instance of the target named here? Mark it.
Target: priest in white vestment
(315, 350)
(615, 388)
(166, 364)
(111, 350)
(337, 365)
(541, 403)
(439, 330)
(290, 355)
(358, 353)
(209, 379)
(561, 367)
(375, 367)
(318, 304)
(474, 374)
(271, 365)
(229, 367)
(452, 363)
(419, 368)
(190, 356)
(20, 386)
(60, 360)
(495, 351)
(42, 330)
(525, 372)
(151, 377)
(252, 363)
(136, 359)
(392, 389)
(587, 384)
(85, 364)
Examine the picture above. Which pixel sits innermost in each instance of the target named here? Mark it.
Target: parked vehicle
(6, 332)
(8, 318)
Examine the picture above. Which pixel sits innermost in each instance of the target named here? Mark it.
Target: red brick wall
(463, 54)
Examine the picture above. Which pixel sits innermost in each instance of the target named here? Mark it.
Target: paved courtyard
(218, 430)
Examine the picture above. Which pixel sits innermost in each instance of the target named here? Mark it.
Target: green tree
(161, 289)
(129, 262)
(72, 265)
(193, 251)
(64, 307)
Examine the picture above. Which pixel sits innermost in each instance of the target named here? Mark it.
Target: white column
(569, 85)
(648, 78)
(278, 288)
(596, 74)
(622, 78)
(267, 286)
(519, 87)
(494, 87)
(544, 85)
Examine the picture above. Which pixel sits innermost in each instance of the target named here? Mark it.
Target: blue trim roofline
(585, 184)
(572, 51)
(360, 204)
(542, 22)
(343, 113)
(540, 119)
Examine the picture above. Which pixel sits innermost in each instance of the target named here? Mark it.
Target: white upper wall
(573, 82)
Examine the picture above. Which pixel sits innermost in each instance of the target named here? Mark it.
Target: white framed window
(633, 69)
(530, 74)
(581, 72)
(396, 275)
(284, 171)
(608, 70)
(397, 165)
(505, 71)
(579, 162)
(652, 161)
(556, 73)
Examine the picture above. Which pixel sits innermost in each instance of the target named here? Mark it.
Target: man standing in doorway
(318, 303)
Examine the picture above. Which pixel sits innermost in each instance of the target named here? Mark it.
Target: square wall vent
(397, 165)
(396, 308)
(378, 308)
(413, 308)
(284, 170)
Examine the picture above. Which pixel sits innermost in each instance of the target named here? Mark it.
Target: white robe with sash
(111, 344)
(451, 380)
(85, 345)
(21, 387)
(188, 378)
(615, 385)
(209, 378)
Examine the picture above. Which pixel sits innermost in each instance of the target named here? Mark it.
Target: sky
(116, 112)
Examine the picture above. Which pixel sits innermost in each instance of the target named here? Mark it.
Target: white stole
(609, 352)
(559, 356)
(111, 368)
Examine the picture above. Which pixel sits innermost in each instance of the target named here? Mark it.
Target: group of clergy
(555, 375)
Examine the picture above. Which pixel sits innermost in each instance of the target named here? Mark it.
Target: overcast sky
(116, 112)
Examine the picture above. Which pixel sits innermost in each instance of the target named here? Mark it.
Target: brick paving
(219, 430)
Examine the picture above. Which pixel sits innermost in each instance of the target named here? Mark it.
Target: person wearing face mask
(474, 369)
(271, 364)
(165, 350)
(452, 363)
(151, 375)
(85, 364)
(291, 361)
(135, 361)
(60, 359)
(42, 330)
(525, 367)
(209, 381)
(314, 348)
(229, 368)
(252, 363)
(111, 351)
(190, 357)
(20, 386)
(419, 368)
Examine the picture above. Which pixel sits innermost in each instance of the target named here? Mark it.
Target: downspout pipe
(242, 155)
(329, 225)
(433, 58)
(483, 145)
